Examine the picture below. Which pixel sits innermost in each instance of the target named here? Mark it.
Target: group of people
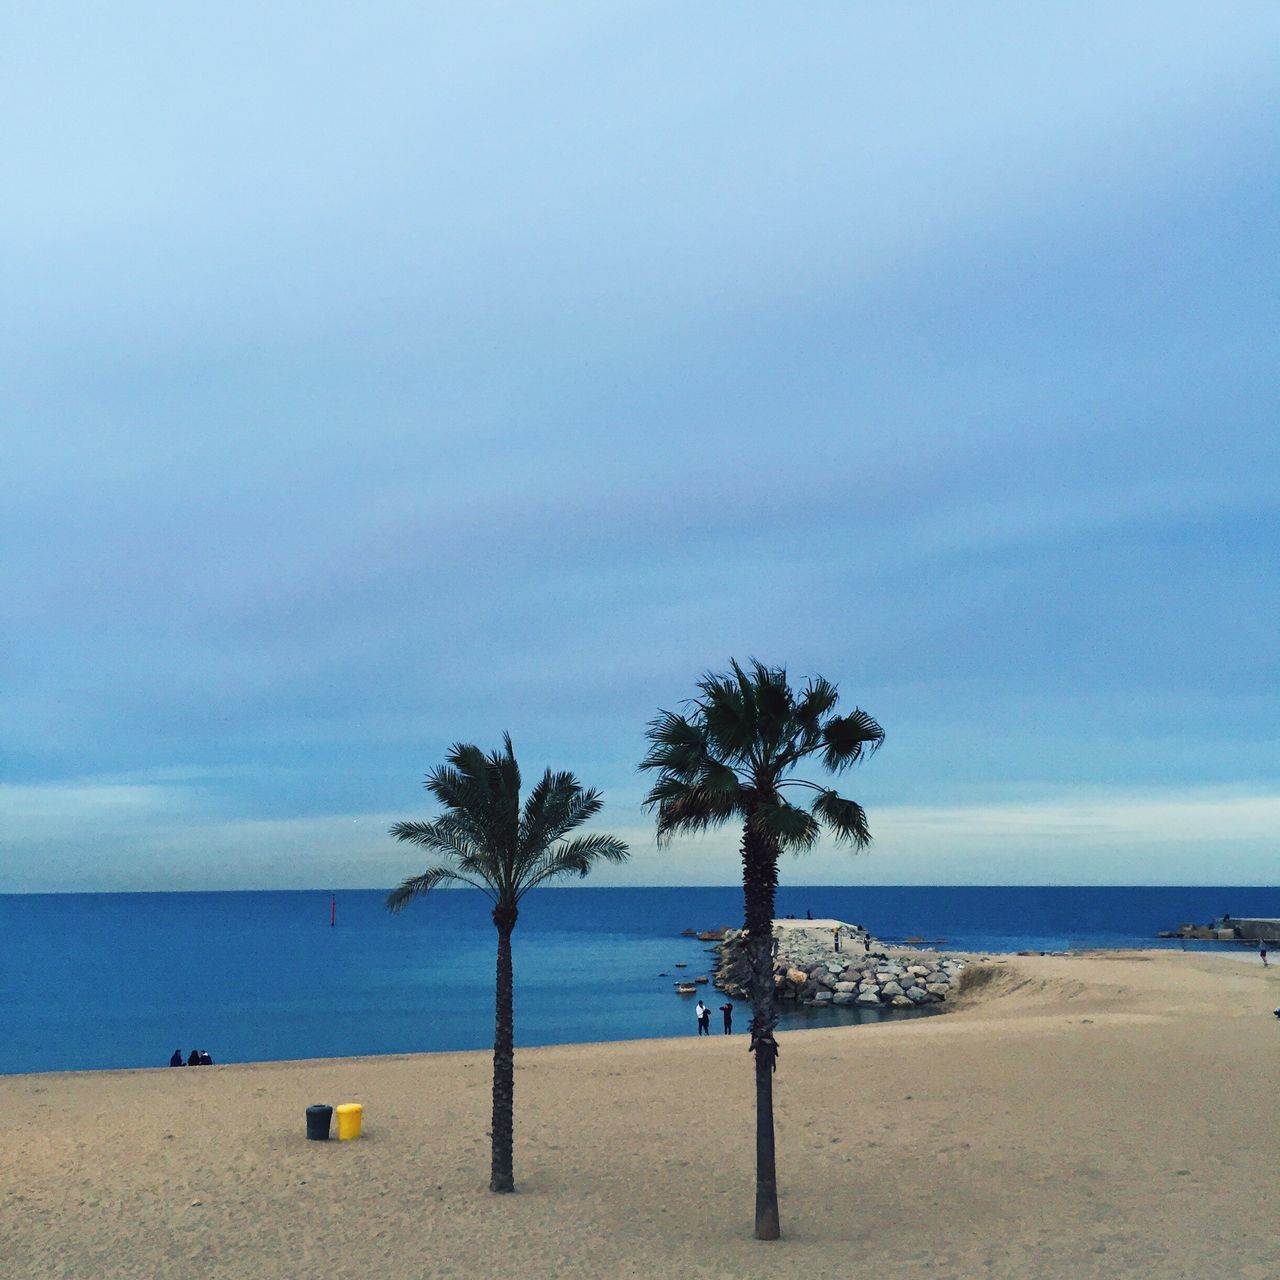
(198, 1058)
(703, 1015)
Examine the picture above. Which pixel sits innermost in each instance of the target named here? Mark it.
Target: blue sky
(378, 378)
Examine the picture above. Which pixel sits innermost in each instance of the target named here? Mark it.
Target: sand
(1098, 1115)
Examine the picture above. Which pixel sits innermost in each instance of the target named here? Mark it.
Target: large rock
(867, 998)
(797, 977)
(917, 995)
(938, 989)
(843, 988)
(823, 997)
(843, 997)
(891, 990)
(901, 1002)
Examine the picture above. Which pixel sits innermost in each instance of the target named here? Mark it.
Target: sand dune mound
(989, 982)
(1135, 985)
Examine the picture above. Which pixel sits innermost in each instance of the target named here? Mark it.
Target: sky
(378, 377)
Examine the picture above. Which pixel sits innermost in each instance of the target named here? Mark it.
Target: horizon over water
(122, 979)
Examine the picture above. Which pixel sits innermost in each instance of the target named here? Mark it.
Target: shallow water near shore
(120, 980)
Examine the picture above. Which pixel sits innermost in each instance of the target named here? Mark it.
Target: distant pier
(1231, 929)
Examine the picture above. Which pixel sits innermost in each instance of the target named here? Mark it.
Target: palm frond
(678, 746)
(556, 805)
(727, 713)
(696, 808)
(575, 857)
(846, 739)
(789, 827)
(775, 704)
(442, 835)
(845, 819)
(817, 700)
(417, 886)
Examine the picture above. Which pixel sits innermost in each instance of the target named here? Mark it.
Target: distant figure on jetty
(176, 1060)
(866, 944)
(808, 915)
(703, 1015)
(1262, 952)
(836, 934)
(727, 1010)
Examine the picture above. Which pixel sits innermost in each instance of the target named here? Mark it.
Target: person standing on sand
(727, 1010)
(703, 1015)
(1262, 952)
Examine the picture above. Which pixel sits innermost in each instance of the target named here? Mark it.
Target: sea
(90, 981)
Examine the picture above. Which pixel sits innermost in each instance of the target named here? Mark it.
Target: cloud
(418, 374)
(95, 837)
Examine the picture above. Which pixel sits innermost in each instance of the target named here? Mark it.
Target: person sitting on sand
(205, 1060)
(176, 1060)
(194, 1059)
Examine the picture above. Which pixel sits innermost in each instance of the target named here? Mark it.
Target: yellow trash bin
(349, 1116)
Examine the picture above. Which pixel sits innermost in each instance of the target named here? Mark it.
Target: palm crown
(491, 842)
(732, 754)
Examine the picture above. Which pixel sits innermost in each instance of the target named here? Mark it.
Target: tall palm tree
(729, 757)
(488, 841)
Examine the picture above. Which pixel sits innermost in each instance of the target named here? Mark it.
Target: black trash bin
(318, 1120)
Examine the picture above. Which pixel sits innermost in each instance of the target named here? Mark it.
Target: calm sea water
(120, 980)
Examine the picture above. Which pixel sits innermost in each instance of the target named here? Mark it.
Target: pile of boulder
(808, 970)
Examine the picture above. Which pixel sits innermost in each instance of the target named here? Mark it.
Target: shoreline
(950, 1008)
(1090, 1115)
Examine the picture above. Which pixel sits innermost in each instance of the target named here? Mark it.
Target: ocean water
(120, 980)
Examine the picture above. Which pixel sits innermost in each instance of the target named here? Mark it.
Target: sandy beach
(1097, 1115)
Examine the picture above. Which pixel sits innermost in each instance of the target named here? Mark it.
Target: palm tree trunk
(760, 883)
(502, 1176)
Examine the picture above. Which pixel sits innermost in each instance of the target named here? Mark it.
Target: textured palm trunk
(502, 1176)
(760, 883)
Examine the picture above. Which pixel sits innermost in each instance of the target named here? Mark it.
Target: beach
(1104, 1114)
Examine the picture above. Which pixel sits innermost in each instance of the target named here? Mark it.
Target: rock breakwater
(809, 970)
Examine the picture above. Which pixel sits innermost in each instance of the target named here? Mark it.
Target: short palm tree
(487, 840)
(728, 758)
